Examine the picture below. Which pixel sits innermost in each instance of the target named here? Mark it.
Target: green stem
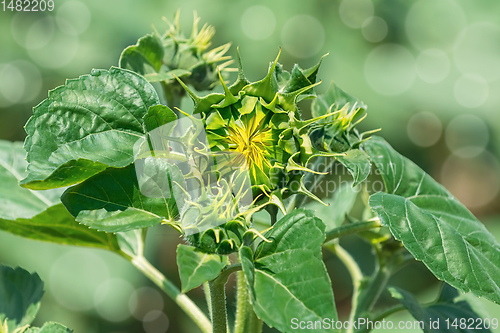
(384, 314)
(389, 311)
(246, 320)
(351, 228)
(206, 291)
(371, 290)
(218, 300)
(354, 272)
(184, 302)
(173, 94)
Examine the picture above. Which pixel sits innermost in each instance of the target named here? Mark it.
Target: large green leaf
(287, 277)
(38, 214)
(448, 314)
(56, 225)
(20, 295)
(50, 327)
(196, 267)
(358, 164)
(434, 226)
(339, 205)
(144, 57)
(122, 199)
(85, 126)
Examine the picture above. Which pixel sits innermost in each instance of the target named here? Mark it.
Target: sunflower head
(261, 124)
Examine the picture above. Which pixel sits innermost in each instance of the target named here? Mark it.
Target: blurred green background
(429, 71)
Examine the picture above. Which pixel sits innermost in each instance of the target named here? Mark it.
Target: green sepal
(201, 104)
(267, 87)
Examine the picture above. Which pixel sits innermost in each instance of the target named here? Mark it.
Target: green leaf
(38, 215)
(20, 295)
(138, 196)
(50, 327)
(287, 277)
(158, 116)
(358, 164)
(433, 225)
(16, 202)
(56, 225)
(144, 57)
(339, 205)
(167, 76)
(335, 98)
(448, 307)
(196, 267)
(85, 126)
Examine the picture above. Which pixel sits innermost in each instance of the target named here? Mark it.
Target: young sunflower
(257, 129)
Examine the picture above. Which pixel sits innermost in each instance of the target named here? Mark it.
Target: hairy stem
(218, 306)
(351, 228)
(354, 272)
(184, 302)
(372, 288)
(246, 320)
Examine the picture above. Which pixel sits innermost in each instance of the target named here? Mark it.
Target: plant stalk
(173, 94)
(373, 287)
(184, 302)
(218, 306)
(351, 228)
(246, 320)
(354, 272)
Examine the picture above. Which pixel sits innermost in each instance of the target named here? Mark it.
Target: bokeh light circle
(433, 65)
(144, 300)
(434, 24)
(33, 79)
(74, 278)
(424, 129)
(59, 52)
(12, 84)
(475, 182)
(40, 33)
(374, 29)
(471, 90)
(303, 36)
(155, 322)
(467, 136)
(354, 13)
(390, 69)
(258, 22)
(478, 50)
(73, 17)
(111, 299)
